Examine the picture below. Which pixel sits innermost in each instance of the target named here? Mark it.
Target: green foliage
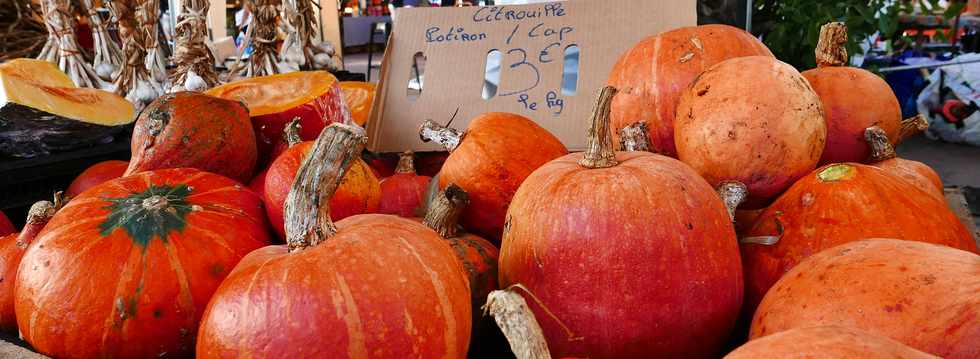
(791, 27)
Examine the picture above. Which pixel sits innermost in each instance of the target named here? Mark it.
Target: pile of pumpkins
(723, 194)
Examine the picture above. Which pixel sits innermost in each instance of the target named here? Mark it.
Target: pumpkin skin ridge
(912, 297)
(895, 209)
(271, 261)
(524, 258)
(141, 278)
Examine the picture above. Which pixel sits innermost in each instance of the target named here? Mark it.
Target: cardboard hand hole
(569, 73)
(417, 79)
(491, 75)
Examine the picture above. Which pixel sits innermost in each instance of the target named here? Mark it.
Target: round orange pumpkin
(853, 99)
(832, 342)
(652, 75)
(126, 268)
(12, 247)
(370, 286)
(189, 129)
(96, 174)
(359, 193)
(401, 194)
(479, 258)
(917, 173)
(921, 294)
(602, 238)
(313, 96)
(837, 204)
(359, 97)
(754, 120)
(496, 153)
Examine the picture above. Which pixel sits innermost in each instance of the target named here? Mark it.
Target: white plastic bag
(963, 82)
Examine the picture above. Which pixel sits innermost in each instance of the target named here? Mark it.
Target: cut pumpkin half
(359, 96)
(39, 116)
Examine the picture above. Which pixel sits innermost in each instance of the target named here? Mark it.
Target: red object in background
(95, 175)
(5, 226)
(382, 164)
(83, 32)
(430, 163)
(402, 192)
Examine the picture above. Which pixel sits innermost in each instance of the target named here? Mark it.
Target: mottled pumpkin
(125, 269)
(831, 342)
(626, 254)
(754, 120)
(371, 286)
(921, 294)
(498, 151)
(95, 175)
(189, 129)
(837, 204)
(652, 75)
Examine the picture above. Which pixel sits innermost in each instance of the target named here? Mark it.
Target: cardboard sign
(531, 43)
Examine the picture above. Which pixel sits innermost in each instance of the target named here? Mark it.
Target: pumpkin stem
(307, 209)
(406, 163)
(830, 49)
(445, 210)
(600, 153)
(38, 216)
(517, 322)
(446, 136)
(290, 134)
(634, 137)
(912, 126)
(881, 149)
(733, 193)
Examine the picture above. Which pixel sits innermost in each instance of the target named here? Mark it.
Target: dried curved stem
(912, 126)
(732, 193)
(881, 148)
(290, 134)
(445, 210)
(406, 163)
(830, 49)
(448, 137)
(600, 153)
(517, 322)
(307, 209)
(195, 63)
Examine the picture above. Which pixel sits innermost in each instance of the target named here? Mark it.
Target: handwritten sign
(532, 52)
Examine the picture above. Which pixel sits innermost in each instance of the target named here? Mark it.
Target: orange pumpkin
(359, 97)
(921, 294)
(832, 342)
(498, 151)
(370, 286)
(96, 174)
(12, 247)
(126, 268)
(917, 173)
(188, 129)
(603, 237)
(837, 204)
(401, 194)
(359, 193)
(753, 120)
(853, 99)
(652, 75)
(479, 258)
(313, 96)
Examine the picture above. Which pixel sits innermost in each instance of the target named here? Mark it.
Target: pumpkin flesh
(653, 74)
(273, 101)
(126, 268)
(359, 97)
(921, 294)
